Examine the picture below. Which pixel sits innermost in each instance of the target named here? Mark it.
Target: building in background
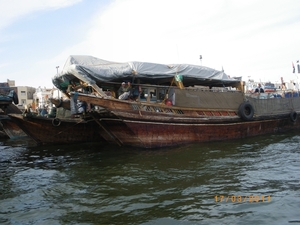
(34, 98)
(25, 95)
(41, 98)
(11, 83)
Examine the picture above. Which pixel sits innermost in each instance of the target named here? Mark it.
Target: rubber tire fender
(56, 122)
(246, 111)
(294, 116)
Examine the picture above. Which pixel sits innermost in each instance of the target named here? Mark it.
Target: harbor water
(249, 181)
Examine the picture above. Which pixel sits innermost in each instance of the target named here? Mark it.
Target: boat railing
(276, 94)
(214, 89)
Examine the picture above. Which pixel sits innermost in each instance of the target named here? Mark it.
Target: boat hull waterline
(158, 134)
(58, 131)
(138, 132)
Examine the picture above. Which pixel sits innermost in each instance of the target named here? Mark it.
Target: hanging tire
(246, 111)
(15, 98)
(293, 116)
(56, 122)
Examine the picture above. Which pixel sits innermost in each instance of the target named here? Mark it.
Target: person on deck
(123, 91)
(129, 87)
(259, 89)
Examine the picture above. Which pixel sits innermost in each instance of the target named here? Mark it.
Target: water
(104, 184)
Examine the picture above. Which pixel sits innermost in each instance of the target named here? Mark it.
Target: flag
(293, 67)
(178, 81)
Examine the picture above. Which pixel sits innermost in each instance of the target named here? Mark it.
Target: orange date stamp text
(239, 198)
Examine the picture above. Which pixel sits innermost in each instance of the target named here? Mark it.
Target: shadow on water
(93, 183)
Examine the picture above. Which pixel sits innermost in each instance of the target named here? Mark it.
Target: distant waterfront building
(11, 83)
(25, 95)
(34, 97)
(41, 97)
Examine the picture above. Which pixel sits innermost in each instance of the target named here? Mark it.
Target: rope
(163, 101)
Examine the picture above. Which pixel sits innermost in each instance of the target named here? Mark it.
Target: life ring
(56, 122)
(293, 116)
(15, 98)
(59, 103)
(246, 111)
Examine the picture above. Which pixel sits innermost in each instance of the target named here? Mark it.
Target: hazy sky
(253, 39)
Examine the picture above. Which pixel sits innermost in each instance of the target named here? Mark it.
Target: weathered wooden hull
(63, 131)
(161, 134)
(11, 129)
(152, 125)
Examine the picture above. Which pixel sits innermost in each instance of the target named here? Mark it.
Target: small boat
(269, 87)
(175, 104)
(10, 129)
(58, 130)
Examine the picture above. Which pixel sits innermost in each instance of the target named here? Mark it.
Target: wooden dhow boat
(59, 130)
(10, 129)
(174, 104)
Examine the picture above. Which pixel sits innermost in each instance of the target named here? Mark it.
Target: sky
(252, 39)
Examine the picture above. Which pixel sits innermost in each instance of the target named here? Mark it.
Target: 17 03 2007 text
(239, 198)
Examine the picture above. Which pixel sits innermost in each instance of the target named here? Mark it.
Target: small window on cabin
(151, 94)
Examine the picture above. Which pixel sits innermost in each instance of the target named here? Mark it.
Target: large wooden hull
(151, 126)
(63, 131)
(161, 134)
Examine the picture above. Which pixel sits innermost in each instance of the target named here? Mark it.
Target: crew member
(123, 91)
(259, 89)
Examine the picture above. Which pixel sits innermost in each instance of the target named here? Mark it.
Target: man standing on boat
(259, 89)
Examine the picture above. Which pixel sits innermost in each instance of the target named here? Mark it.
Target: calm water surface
(95, 184)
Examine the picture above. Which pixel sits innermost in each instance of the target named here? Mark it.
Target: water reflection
(104, 184)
